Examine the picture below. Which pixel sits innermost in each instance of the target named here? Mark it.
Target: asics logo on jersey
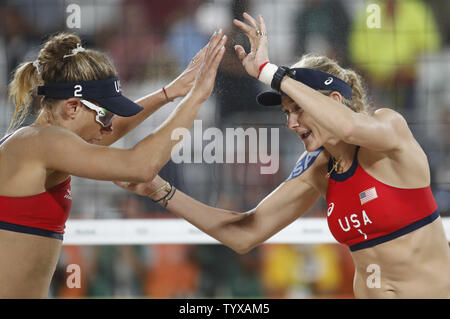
(330, 209)
(68, 195)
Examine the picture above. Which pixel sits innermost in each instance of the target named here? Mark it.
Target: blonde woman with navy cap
(370, 169)
(82, 112)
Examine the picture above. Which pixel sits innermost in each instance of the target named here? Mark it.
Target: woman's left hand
(259, 51)
(184, 82)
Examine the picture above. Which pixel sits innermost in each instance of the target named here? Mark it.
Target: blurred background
(404, 57)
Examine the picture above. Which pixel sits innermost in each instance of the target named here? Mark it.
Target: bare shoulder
(58, 138)
(33, 142)
(394, 165)
(36, 134)
(21, 141)
(51, 132)
(387, 113)
(392, 117)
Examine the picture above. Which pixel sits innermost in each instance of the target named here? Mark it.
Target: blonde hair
(52, 67)
(358, 102)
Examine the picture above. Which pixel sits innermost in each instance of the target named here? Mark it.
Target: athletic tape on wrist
(262, 67)
(267, 73)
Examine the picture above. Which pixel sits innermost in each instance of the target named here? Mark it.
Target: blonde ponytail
(25, 79)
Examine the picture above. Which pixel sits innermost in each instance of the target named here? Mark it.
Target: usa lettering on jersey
(304, 163)
(349, 221)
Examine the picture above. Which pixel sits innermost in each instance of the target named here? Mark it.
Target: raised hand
(184, 82)
(204, 80)
(257, 35)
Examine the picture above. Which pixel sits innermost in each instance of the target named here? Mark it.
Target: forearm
(244, 231)
(229, 227)
(179, 87)
(155, 150)
(150, 103)
(328, 113)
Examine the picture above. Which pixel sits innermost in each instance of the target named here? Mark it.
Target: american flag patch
(368, 195)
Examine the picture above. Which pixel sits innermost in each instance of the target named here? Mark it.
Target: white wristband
(267, 73)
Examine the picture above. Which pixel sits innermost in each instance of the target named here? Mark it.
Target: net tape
(179, 231)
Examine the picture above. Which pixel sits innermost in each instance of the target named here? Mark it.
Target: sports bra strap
(5, 138)
(356, 151)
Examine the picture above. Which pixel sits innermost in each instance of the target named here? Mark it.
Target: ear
(336, 96)
(72, 106)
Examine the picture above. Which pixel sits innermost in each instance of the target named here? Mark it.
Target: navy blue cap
(315, 79)
(105, 92)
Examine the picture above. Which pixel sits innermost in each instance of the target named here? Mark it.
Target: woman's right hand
(182, 85)
(146, 188)
(204, 81)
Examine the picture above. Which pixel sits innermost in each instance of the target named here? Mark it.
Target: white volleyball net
(178, 231)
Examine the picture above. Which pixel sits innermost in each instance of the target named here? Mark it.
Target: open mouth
(305, 134)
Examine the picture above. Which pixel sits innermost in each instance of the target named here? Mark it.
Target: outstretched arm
(239, 231)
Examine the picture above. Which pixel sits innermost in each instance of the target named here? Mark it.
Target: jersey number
(77, 91)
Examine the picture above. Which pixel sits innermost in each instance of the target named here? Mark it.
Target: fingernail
(220, 30)
(222, 48)
(215, 32)
(224, 37)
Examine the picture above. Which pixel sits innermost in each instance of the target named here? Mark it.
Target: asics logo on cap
(328, 81)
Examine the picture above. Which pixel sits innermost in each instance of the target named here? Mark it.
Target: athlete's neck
(44, 118)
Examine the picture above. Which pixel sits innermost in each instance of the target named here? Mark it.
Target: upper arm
(384, 131)
(280, 208)
(62, 150)
(287, 202)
